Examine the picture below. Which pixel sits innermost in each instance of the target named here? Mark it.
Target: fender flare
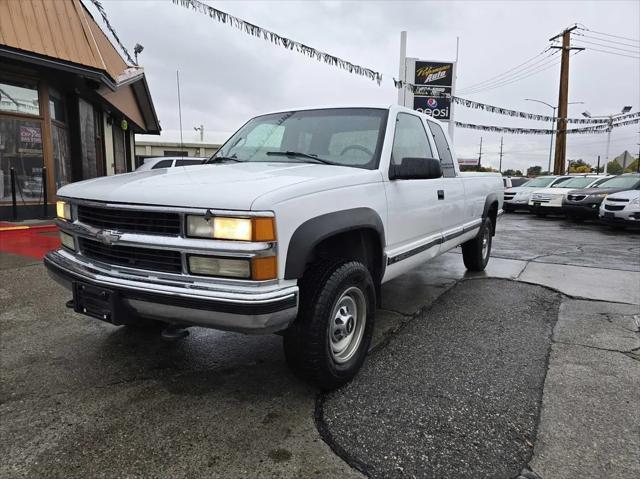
(488, 202)
(491, 199)
(313, 231)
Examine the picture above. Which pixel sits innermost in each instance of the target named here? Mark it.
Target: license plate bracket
(97, 302)
(536, 204)
(608, 214)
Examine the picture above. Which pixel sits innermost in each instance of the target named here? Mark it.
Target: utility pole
(563, 99)
(500, 167)
(402, 68)
(480, 155)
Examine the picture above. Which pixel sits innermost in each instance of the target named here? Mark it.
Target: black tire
(474, 254)
(308, 343)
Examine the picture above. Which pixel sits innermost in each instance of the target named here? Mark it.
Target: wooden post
(563, 100)
(563, 104)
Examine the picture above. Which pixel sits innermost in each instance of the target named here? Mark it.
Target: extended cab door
(414, 210)
(455, 219)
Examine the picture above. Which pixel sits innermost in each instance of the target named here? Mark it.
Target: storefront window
(59, 138)
(61, 157)
(21, 149)
(17, 97)
(57, 109)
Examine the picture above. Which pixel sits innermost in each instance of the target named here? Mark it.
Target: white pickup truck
(291, 227)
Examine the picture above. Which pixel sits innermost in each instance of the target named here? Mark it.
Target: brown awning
(63, 34)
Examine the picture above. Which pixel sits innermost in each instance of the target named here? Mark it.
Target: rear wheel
(476, 252)
(329, 340)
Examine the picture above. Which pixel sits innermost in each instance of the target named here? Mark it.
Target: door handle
(441, 194)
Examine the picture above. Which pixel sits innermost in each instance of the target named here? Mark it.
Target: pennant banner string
(103, 14)
(279, 40)
(545, 131)
(441, 92)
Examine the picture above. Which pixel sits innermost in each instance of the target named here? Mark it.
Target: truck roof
(377, 106)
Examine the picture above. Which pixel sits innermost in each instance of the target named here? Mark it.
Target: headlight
(599, 195)
(258, 269)
(635, 202)
(228, 228)
(210, 266)
(63, 210)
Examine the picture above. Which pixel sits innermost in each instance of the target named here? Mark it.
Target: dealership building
(70, 105)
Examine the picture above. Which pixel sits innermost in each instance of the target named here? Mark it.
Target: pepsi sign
(436, 107)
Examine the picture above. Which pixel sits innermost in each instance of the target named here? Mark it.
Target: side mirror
(416, 169)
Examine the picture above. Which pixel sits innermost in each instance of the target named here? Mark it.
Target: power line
(588, 42)
(609, 34)
(608, 41)
(613, 53)
(491, 79)
(517, 78)
(546, 61)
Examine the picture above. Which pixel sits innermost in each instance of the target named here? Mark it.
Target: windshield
(621, 182)
(578, 182)
(539, 182)
(518, 181)
(341, 136)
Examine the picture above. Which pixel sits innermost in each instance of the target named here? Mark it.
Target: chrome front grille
(132, 257)
(133, 221)
(613, 207)
(576, 197)
(509, 196)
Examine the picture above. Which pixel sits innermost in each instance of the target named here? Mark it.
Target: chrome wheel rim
(486, 238)
(348, 319)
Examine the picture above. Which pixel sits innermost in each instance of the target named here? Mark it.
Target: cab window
(410, 139)
(444, 152)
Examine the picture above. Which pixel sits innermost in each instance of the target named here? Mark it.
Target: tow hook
(173, 333)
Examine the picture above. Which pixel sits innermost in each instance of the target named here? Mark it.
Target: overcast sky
(228, 76)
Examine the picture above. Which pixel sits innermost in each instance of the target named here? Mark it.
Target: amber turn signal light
(264, 268)
(264, 229)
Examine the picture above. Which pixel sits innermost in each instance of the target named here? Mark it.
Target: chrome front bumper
(256, 309)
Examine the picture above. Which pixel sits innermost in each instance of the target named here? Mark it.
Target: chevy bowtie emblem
(108, 237)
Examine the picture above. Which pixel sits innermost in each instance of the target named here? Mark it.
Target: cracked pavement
(79, 398)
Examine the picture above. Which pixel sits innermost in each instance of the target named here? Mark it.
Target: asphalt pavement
(456, 393)
(80, 398)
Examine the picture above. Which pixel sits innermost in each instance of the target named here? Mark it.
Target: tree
(534, 170)
(633, 167)
(511, 172)
(613, 168)
(579, 166)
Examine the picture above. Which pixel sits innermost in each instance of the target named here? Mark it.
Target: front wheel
(476, 252)
(329, 340)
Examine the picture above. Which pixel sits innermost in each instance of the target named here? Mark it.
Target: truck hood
(232, 186)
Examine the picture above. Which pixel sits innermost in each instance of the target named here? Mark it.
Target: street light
(553, 121)
(610, 118)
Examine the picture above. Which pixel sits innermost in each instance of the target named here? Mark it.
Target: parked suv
(549, 200)
(621, 208)
(585, 203)
(518, 197)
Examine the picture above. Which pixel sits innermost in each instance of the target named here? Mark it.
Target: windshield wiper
(299, 154)
(220, 159)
